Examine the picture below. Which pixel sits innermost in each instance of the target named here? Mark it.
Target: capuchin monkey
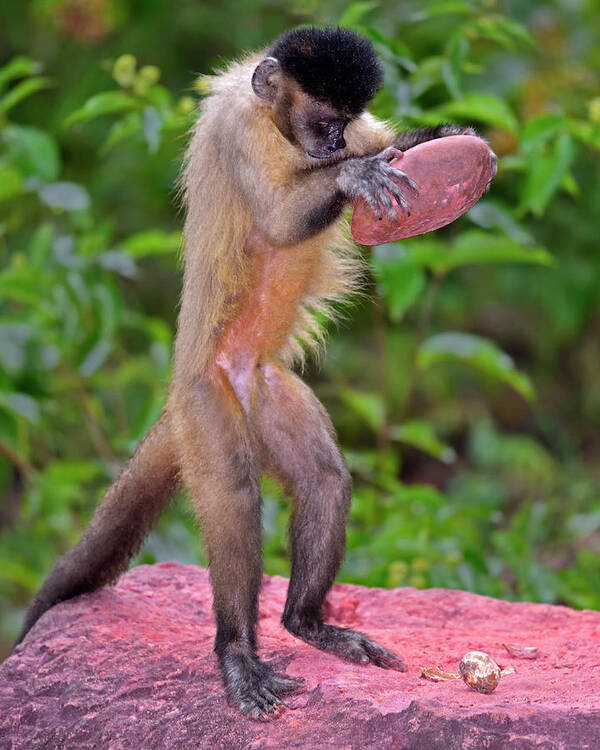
(283, 144)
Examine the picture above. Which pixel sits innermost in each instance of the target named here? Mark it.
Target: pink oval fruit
(451, 174)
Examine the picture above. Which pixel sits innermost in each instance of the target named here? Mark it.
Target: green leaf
(124, 128)
(21, 285)
(369, 406)
(102, 104)
(473, 247)
(477, 352)
(152, 242)
(400, 280)
(11, 182)
(493, 214)
(18, 67)
(447, 7)
(20, 405)
(34, 151)
(95, 357)
(540, 129)
(67, 196)
(421, 435)
(481, 108)
(586, 132)
(22, 91)
(452, 71)
(546, 174)
(152, 125)
(355, 12)
(476, 246)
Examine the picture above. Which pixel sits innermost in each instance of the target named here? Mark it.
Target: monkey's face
(318, 129)
(310, 124)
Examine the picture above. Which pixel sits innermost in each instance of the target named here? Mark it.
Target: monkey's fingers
(403, 179)
(386, 204)
(391, 189)
(390, 153)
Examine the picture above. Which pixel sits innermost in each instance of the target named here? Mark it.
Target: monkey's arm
(410, 138)
(309, 200)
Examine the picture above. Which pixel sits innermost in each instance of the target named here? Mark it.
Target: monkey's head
(316, 80)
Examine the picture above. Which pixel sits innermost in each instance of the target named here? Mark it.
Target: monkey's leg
(299, 447)
(221, 471)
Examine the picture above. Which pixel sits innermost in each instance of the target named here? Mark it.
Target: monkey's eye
(322, 125)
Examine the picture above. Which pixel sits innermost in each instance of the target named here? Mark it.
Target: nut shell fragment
(479, 671)
(435, 674)
(522, 652)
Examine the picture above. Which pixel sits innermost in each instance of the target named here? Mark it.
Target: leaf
(452, 71)
(540, 129)
(393, 49)
(22, 91)
(95, 358)
(400, 279)
(514, 29)
(369, 406)
(14, 338)
(20, 404)
(447, 7)
(355, 12)
(493, 214)
(546, 174)
(67, 196)
(11, 182)
(421, 435)
(485, 108)
(586, 132)
(152, 126)
(34, 151)
(152, 242)
(21, 285)
(475, 246)
(477, 352)
(18, 67)
(123, 128)
(104, 103)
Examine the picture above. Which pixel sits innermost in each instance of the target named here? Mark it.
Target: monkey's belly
(266, 313)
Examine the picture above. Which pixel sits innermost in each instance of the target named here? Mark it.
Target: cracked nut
(479, 671)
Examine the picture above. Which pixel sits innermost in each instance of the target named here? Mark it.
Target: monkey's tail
(118, 527)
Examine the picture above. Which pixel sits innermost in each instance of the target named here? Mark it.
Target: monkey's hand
(375, 180)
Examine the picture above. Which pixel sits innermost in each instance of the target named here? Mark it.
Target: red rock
(131, 667)
(451, 174)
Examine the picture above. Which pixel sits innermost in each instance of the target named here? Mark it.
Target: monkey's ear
(265, 80)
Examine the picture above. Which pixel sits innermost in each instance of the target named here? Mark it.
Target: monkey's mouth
(322, 157)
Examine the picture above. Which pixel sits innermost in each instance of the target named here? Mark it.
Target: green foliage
(462, 477)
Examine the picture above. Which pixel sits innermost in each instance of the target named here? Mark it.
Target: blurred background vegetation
(465, 387)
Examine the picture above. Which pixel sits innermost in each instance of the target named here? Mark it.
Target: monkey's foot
(253, 687)
(350, 645)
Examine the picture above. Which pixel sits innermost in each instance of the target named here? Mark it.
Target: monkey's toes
(356, 647)
(282, 684)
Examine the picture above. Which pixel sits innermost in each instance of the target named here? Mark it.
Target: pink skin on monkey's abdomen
(280, 277)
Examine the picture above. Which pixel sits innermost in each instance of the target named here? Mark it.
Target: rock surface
(132, 667)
